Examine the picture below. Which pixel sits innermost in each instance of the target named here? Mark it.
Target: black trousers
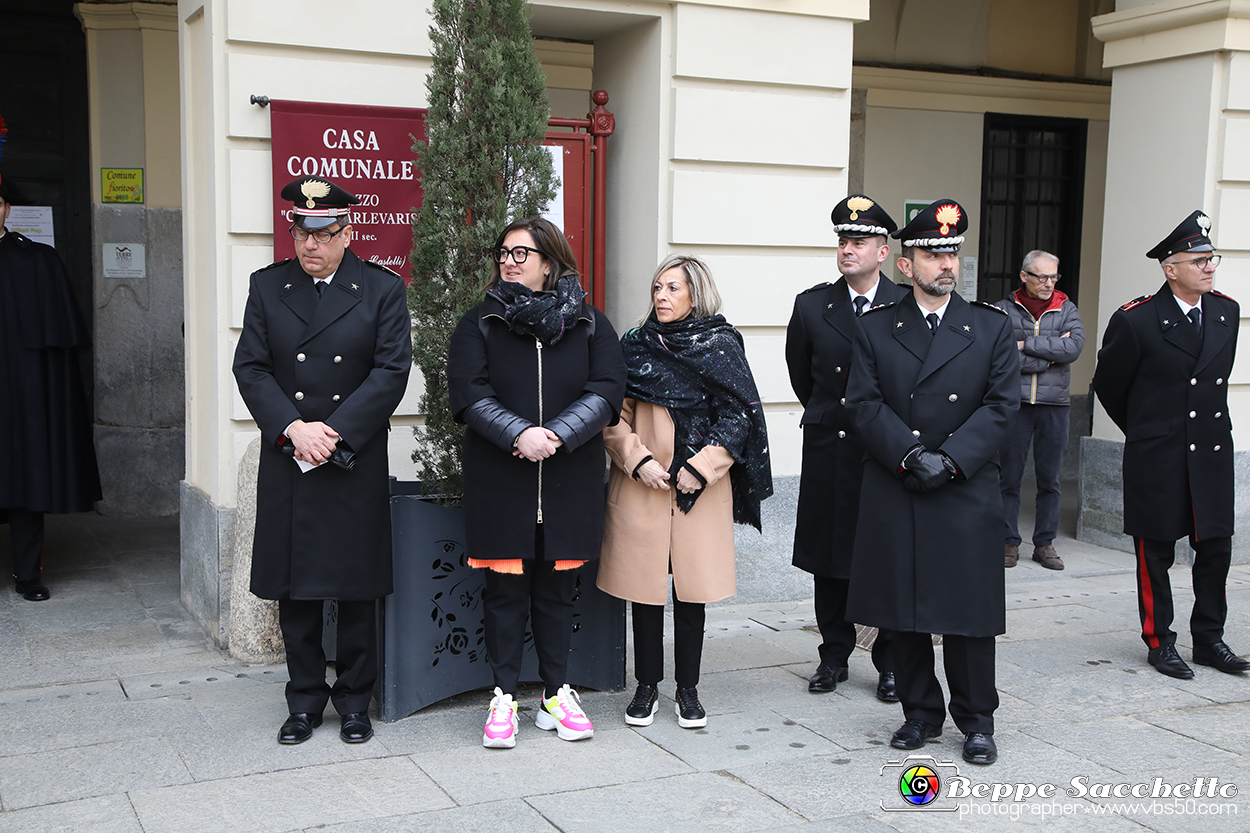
(1154, 590)
(26, 538)
(838, 634)
(544, 596)
(969, 662)
(688, 621)
(1045, 427)
(355, 662)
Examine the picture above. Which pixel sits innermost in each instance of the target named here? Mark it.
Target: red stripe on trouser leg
(1146, 591)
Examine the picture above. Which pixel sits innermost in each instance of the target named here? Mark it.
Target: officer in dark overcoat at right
(819, 340)
(1163, 375)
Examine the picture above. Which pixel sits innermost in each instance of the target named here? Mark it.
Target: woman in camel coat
(689, 458)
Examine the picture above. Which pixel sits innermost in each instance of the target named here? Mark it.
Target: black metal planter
(431, 633)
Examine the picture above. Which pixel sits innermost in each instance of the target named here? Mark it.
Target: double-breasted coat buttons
(299, 394)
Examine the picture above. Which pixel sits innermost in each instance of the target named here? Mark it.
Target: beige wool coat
(643, 525)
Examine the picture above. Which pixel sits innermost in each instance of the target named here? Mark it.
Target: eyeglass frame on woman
(1201, 262)
(501, 254)
(295, 232)
(1044, 278)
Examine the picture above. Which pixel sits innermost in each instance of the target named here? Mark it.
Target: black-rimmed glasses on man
(322, 237)
(1201, 262)
(1044, 278)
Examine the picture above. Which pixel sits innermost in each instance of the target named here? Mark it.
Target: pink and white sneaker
(500, 732)
(563, 712)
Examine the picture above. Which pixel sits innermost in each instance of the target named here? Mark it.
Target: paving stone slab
(92, 694)
(841, 824)
(737, 739)
(291, 800)
(90, 644)
(199, 681)
(105, 610)
(1060, 620)
(83, 724)
(88, 771)
(1107, 692)
(826, 785)
(496, 817)
(471, 774)
(1061, 816)
(705, 802)
(1064, 655)
(738, 652)
(1127, 744)
(1223, 725)
(1185, 815)
(109, 814)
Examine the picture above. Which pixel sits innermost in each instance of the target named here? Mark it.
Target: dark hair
(549, 241)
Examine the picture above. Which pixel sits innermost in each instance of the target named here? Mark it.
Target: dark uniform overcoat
(1166, 387)
(819, 341)
(932, 563)
(344, 361)
(47, 455)
(505, 497)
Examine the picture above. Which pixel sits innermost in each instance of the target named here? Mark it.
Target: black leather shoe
(914, 734)
(980, 748)
(1220, 657)
(356, 728)
(886, 690)
(298, 727)
(32, 591)
(641, 710)
(1167, 661)
(826, 678)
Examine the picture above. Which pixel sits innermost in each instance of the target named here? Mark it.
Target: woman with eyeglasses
(536, 373)
(689, 459)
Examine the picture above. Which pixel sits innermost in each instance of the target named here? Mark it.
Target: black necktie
(321, 288)
(1196, 318)
(933, 322)
(860, 302)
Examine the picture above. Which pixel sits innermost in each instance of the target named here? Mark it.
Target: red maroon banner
(368, 151)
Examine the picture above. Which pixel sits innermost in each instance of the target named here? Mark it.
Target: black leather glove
(581, 420)
(926, 470)
(496, 423)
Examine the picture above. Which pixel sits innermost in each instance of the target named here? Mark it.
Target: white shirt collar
(941, 313)
(1185, 308)
(870, 294)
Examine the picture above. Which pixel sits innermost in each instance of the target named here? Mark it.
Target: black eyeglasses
(520, 254)
(1201, 262)
(1044, 278)
(323, 237)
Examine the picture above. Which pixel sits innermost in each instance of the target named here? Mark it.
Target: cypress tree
(482, 164)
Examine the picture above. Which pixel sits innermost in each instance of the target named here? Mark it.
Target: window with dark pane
(1032, 194)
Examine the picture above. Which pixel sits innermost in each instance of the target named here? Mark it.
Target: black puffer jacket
(1047, 356)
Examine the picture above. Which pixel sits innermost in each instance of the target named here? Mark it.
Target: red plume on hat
(4, 135)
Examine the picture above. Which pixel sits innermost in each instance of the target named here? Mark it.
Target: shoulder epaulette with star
(824, 285)
(878, 306)
(988, 305)
(1140, 300)
(272, 265)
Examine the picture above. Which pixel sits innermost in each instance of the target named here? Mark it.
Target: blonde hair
(706, 300)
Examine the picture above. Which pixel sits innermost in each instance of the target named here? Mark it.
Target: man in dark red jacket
(1163, 377)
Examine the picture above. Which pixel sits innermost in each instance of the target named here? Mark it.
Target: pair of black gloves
(926, 471)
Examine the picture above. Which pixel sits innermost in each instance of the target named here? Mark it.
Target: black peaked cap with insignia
(1189, 236)
(319, 202)
(939, 227)
(861, 216)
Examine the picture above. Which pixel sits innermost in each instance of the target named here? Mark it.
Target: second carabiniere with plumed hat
(933, 390)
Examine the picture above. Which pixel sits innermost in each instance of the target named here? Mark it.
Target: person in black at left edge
(819, 341)
(934, 387)
(322, 363)
(47, 453)
(1163, 376)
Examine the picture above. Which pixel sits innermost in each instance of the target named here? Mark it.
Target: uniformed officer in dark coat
(47, 455)
(819, 341)
(322, 363)
(934, 387)
(1162, 375)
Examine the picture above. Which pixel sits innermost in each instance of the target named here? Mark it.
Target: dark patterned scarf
(545, 315)
(696, 368)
